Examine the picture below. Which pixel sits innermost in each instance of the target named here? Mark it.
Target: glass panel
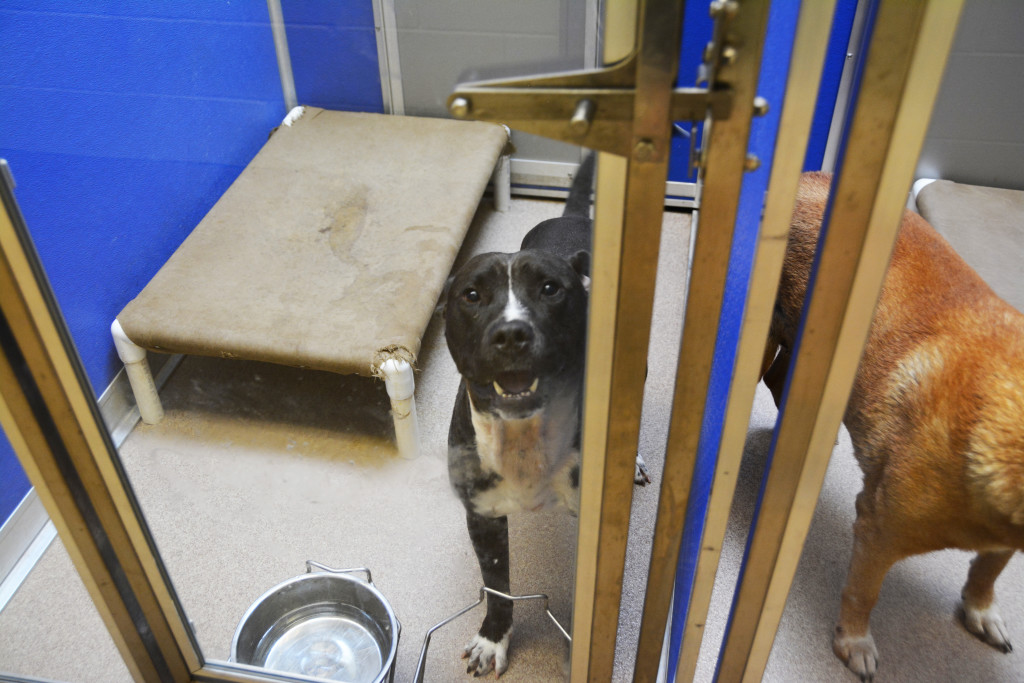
(50, 628)
(445, 42)
(256, 468)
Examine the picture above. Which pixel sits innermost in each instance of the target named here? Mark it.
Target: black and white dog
(516, 327)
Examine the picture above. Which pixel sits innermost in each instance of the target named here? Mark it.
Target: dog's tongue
(515, 382)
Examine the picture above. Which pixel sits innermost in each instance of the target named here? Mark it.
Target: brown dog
(936, 417)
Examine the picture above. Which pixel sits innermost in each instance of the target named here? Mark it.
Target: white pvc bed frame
(396, 372)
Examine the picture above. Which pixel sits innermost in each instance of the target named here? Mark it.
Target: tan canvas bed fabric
(330, 249)
(986, 227)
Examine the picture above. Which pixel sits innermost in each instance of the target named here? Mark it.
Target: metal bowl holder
(484, 590)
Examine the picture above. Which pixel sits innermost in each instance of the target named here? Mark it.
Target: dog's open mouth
(512, 385)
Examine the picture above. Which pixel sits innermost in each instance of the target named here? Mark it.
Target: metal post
(899, 81)
(388, 60)
(284, 60)
(626, 241)
(797, 111)
(726, 145)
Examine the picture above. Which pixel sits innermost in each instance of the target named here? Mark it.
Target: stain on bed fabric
(345, 221)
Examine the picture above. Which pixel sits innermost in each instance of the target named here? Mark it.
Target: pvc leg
(398, 379)
(502, 180)
(139, 375)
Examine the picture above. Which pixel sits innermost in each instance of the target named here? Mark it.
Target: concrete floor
(257, 468)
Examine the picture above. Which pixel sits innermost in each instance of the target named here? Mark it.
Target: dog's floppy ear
(442, 302)
(580, 262)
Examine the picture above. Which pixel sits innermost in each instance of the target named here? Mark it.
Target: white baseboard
(552, 179)
(28, 532)
(24, 538)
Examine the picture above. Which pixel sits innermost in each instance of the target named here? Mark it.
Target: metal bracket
(593, 109)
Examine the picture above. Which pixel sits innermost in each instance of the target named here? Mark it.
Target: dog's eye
(471, 295)
(550, 289)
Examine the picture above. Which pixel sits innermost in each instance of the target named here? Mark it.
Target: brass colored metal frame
(626, 110)
(722, 179)
(627, 230)
(602, 109)
(48, 411)
(797, 112)
(547, 110)
(903, 69)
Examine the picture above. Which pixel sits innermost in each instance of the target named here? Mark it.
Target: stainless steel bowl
(327, 625)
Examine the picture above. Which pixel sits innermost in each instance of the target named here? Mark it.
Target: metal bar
(609, 204)
(484, 591)
(48, 412)
(901, 77)
(552, 111)
(626, 242)
(609, 201)
(837, 127)
(534, 103)
(809, 46)
(284, 60)
(726, 142)
(389, 62)
(592, 36)
(619, 41)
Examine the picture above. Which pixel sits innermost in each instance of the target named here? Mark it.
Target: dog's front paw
(858, 653)
(988, 625)
(484, 655)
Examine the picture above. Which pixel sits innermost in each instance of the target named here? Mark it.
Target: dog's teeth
(501, 391)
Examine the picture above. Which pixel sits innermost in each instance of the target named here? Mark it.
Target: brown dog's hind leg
(873, 555)
(980, 614)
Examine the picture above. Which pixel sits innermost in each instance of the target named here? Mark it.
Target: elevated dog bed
(329, 251)
(986, 227)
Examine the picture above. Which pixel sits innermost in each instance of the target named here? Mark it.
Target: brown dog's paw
(858, 653)
(987, 624)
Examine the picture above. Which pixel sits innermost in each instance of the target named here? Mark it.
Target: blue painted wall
(124, 122)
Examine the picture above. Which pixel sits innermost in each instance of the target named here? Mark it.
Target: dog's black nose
(512, 335)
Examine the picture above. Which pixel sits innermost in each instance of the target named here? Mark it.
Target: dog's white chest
(535, 460)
